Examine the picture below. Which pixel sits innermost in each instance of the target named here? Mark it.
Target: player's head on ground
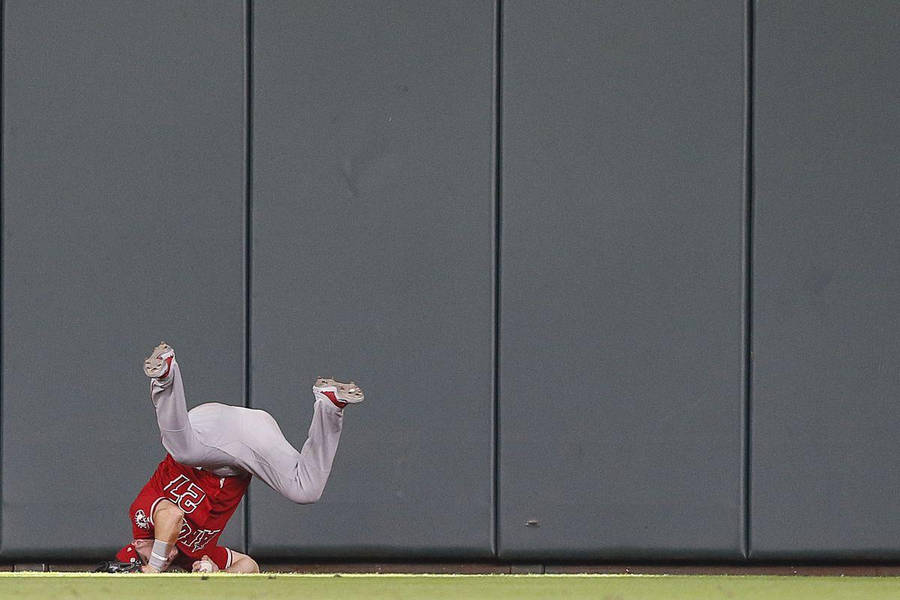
(130, 558)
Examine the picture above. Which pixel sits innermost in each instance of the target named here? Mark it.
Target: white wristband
(159, 555)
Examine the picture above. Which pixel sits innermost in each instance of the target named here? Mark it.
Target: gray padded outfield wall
(826, 284)
(372, 258)
(368, 218)
(123, 224)
(621, 291)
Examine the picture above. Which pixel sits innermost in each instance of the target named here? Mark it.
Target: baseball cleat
(341, 394)
(158, 364)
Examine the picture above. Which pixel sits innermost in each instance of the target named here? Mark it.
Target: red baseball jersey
(207, 501)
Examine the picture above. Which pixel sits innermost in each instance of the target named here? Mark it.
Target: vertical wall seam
(248, 223)
(498, 188)
(748, 267)
(2, 253)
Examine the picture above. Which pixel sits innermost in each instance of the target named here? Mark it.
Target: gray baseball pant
(227, 440)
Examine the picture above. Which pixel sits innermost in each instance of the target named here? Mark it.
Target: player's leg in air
(223, 438)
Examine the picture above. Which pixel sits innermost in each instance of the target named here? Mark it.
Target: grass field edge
(68, 575)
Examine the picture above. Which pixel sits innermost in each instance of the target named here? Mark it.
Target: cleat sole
(345, 392)
(155, 364)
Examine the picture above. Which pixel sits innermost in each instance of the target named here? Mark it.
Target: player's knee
(307, 495)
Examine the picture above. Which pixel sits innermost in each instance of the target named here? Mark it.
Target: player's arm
(167, 522)
(240, 563)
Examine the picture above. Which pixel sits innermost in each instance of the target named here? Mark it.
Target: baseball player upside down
(213, 451)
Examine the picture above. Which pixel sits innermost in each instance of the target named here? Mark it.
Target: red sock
(168, 367)
(333, 398)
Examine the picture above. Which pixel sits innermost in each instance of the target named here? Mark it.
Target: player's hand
(204, 565)
(148, 569)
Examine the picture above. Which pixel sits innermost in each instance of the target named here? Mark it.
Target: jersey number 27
(185, 494)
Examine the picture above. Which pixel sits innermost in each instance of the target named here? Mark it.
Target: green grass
(23, 586)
